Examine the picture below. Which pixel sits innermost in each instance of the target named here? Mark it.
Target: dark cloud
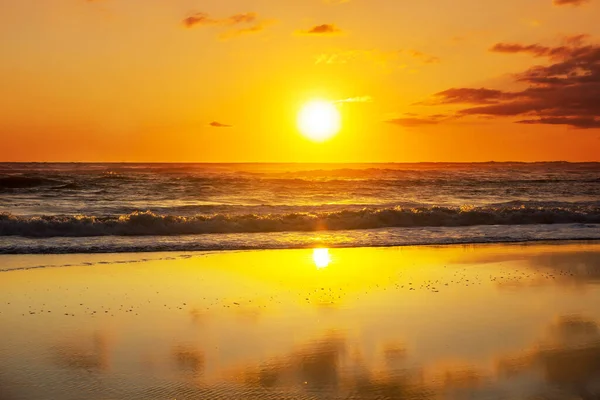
(570, 2)
(578, 122)
(198, 19)
(324, 29)
(203, 19)
(534, 49)
(563, 92)
(216, 124)
(467, 96)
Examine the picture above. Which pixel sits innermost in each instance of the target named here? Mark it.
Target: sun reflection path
(321, 258)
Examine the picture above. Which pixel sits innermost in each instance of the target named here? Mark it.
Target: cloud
(360, 99)
(236, 22)
(466, 96)
(203, 19)
(575, 3)
(324, 29)
(379, 56)
(411, 120)
(347, 56)
(256, 28)
(426, 58)
(216, 124)
(198, 19)
(563, 92)
(578, 122)
(534, 49)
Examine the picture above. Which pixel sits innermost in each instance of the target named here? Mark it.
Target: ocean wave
(384, 237)
(26, 182)
(149, 224)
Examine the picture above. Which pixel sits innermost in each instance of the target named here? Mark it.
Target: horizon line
(305, 162)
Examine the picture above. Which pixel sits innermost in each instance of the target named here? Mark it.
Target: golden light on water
(319, 120)
(321, 258)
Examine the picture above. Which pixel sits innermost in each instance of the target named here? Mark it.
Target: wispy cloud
(570, 2)
(379, 56)
(216, 124)
(256, 28)
(346, 56)
(425, 58)
(466, 96)
(359, 99)
(411, 121)
(204, 19)
(239, 24)
(319, 30)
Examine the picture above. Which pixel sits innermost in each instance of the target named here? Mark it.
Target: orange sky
(435, 80)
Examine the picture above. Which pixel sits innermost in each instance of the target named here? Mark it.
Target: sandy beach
(485, 321)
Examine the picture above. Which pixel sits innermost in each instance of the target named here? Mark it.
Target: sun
(319, 120)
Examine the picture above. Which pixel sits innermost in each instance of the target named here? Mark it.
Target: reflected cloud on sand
(332, 368)
(91, 355)
(563, 364)
(567, 356)
(188, 359)
(313, 367)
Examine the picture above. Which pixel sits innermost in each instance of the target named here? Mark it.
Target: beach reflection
(405, 323)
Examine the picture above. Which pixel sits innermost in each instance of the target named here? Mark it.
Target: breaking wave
(150, 224)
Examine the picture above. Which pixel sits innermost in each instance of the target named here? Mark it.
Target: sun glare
(319, 120)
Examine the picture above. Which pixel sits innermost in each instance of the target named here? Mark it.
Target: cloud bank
(563, 92)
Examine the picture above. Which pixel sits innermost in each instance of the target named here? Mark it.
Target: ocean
(105, 208)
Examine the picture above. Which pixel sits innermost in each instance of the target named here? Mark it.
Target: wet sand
(454, 322)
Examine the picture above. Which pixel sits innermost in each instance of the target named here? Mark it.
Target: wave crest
(148, 223)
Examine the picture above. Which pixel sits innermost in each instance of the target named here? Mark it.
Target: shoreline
(311, 246)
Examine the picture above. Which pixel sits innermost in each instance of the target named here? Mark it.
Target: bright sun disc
(319, 120)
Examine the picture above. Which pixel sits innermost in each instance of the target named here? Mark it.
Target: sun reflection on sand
(321, 258)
